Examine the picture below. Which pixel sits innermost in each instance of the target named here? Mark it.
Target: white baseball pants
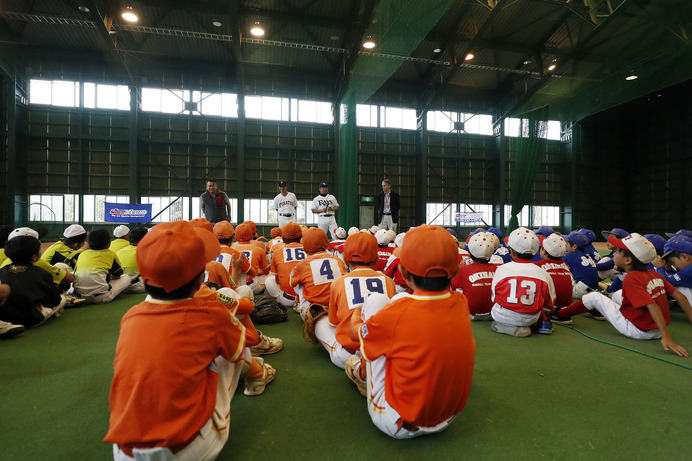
(611, 311)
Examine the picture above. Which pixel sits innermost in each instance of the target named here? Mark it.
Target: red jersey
(562, 280)
(392, 270)
(336, 247)
(523, 287)
(383, 254)
(642, 288)
(164, 354)
(427, 341)
(316, 274)
(350, 291)
(283, 262)
(475, 282)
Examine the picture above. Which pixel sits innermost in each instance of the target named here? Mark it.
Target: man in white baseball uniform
(324, 206)
(285, 204)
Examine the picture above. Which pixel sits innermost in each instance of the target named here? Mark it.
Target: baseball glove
(267, 311)
(312, 315)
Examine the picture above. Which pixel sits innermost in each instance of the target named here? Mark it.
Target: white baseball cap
(495, 239)
(121, 231)
(399, 239)
(383, 237)
(73, 230)
(482, 245)
(353, 230)
(555, 245)
(374, 229)
(340, 232)
(23, 232)
(641, 248)
(523, 240)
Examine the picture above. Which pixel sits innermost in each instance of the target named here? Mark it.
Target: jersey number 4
(324, 270)
(524, 292)
(358, 289)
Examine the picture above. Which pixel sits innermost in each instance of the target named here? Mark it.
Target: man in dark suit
(387, 205)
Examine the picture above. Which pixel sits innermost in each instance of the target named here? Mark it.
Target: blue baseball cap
(496, 231)
(545, 231)
(684, 232)
(622, 233)
(476, 230)
(658, 241)
(452, 232)
(591, 235)
(678, 243)
(577, 238)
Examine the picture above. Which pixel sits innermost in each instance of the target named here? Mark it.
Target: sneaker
(519, 332)
(72, 301)
(7, 329)
(256, 386)
(545, 328)
(352, 369)
(555, 317)
(596, 315)
(267, 345)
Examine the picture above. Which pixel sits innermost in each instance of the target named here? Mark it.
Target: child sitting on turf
(418, 349)
(677, 253)
(224, 232)
(99, 276)
(521, 290)
(283, 261)
(178, 358)
(644, 312)
(582, 267)
(259, 264)
(122, 238)
(128, 258)
(384, 251)
(475, 280)
(553, 248)
(503, 250)
(606, 266)
(34, 297)
(68, 249)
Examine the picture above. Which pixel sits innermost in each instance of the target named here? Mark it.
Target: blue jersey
(681, 278)
(593, 252)
(607, 265)
(582, 267)
(504, 253)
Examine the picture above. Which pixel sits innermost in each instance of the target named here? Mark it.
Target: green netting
(398, 28)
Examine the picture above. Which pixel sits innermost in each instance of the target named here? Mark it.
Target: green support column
(347, 159)
(422, 169)
(81, 154)
(240, 158)
(133, 157)
(570, 214)
(17, 206)
(499, 211)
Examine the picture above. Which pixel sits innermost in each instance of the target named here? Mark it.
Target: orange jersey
(316, 274)
(258, 258)
(349, 292)
(185, 335)
(238, 307)
(283, 262)
(427, 341)
(215, 272)
(225, 258)
(272, 243)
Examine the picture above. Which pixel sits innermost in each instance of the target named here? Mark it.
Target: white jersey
(286, 205)
(321, 202)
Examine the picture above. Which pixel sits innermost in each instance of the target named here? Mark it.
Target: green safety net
(398, 27)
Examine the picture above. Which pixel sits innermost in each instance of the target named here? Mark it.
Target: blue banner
(127, 212)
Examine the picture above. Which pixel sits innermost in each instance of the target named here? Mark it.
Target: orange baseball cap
(276, 232)
(430, 251)
(202, 224)
(243, 233)
(174, 253)
(361, 247)
(252, 225)
(223, 230)
(291, 230)
(314, 240)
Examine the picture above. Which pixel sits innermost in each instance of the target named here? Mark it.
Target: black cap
(283, 183)
(324, 184)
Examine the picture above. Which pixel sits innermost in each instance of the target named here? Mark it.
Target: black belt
(388, 214)
(287, 215)
(326, 216)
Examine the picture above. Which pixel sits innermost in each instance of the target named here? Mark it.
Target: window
(396, 117)
(219, 104)
(515, 127)
(477, 123)
(523, 216)
(439, 214)
(441, 121)
(550, 130)
(487, 210)
(165, 101)
(54, 93)
(54, 208)
(444, 122)
(311, 111)
(366, 115)
(95, 208)
(267, 108)
(106, 96)
(546, 216)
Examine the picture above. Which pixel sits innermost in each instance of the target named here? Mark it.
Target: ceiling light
(83, 9)
(369, 43)
(553, 65)
(334, 37)
(631, 77)
(469, 56)
(129, 15)
(216, 23)
(437, 50)
(257, 29)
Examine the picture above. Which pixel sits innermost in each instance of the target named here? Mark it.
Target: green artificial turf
(563, 396)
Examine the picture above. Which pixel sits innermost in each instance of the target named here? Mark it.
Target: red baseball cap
(243, 233)
(430, 251)
(361, 247)
(202, 224)
(223, 230)
(641, 248)
(314, 240)
(172, 254)
(276, 232)
(291, 230)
